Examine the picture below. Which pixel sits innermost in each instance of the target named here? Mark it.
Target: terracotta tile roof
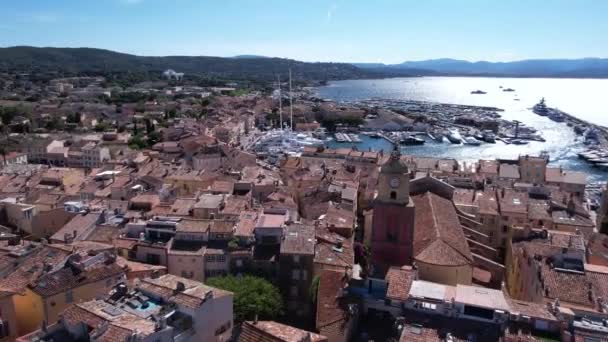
(270, 331)
(222, 226)
(66, 279)
(182, 206)
(193, 226)
(486, 201)
(530, 309)
(399, 282)
(331, 311)
(225, 187)
(299, 239)
(75, 314)
(32, 268)
(558, 175)
(246, 223)
(571, 287)
(328, 252)
(79, 224)
(438, 236)
(192, 297)
(434, 328)
(114, 334)
(488, 166)
(513, 201)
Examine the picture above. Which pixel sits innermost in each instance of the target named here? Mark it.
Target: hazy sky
(388, 31)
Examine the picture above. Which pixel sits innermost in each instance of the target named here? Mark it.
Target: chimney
(255, 319)
(179, 287)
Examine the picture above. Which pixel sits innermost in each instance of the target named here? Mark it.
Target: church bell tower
(393, 216)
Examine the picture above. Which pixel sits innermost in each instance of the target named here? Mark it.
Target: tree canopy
(252, 295)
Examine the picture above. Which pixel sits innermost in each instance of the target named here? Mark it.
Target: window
(221, 258)
(239, 263)
(429, 306)
(293, 291)
(69, 296)
(223, 328)
(393, 195)
(505, 229)
(295, 275)
(304, 275)
(296, 259)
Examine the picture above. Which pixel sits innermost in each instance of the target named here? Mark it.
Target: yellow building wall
(56, 304)
(447, 275)
(29, 311)
(7, 310)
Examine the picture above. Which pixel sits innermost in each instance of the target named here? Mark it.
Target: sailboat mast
(290, 103)
(280, 103)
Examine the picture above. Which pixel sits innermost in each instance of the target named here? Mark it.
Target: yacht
(541, 108)
(556, 116)
(489, 137)
(471, 141)
(478, 92)
(285, 141)
(508, 89)
(279, 141)
(454, 137)
(411, 140)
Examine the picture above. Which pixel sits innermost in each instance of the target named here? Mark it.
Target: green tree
(252, 295)
(153, 138)
(314, 289)
(101, 127)
(137, 142)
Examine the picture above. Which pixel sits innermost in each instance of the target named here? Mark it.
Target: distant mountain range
(585, 67)
(256, 68)
(244, 67)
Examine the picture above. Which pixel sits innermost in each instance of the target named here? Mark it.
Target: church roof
(438, 236)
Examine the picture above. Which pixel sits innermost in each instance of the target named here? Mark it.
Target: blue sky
(389, 31)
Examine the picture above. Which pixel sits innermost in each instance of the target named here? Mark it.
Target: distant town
(165, 209)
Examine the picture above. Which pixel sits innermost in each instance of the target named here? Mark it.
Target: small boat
(411, 140)
(519, 142)
(478, 92)
(374, 135)
(516, 99)
(471, 141)
(439, 137)
(478, 136)
(508, 89)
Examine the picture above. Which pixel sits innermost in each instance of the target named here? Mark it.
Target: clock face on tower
(394, 182)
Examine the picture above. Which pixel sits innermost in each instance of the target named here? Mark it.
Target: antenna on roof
(290, 103)
(280, 103)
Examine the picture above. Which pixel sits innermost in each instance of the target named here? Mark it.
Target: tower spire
(290, 103)
(280, 103)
